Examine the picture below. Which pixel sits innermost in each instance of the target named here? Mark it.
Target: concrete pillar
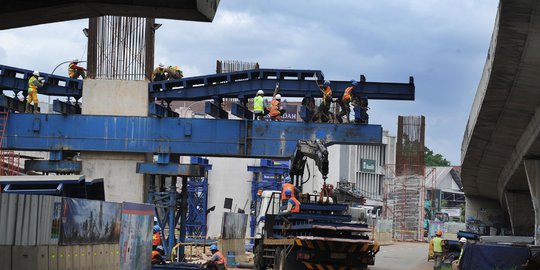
(118, 170)
(532, 169)
(521, 212)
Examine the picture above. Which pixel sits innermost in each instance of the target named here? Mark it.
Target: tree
(433, 159)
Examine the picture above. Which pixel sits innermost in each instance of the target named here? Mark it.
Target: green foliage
(433, 159)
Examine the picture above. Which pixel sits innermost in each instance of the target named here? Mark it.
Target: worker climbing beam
(193, 137)
(296, 83)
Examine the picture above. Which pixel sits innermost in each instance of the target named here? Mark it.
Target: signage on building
(367, 165)
(291, 113)
(452, 212)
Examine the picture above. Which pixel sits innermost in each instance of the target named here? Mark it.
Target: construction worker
(360, 105)
(276, 111)
(33, 84)
(75, 71)
(345, 102)
(175, 72)
(160, 74)
(323, 111)
(157, 256)
(455, 263)
(436, 249)
(287, 185)
(217, 261)
(293, 205)
(156, 235)
(259, 108)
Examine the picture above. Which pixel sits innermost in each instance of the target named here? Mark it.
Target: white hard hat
(75, 60)
(278, 96)
(36, 73)
(155, 219)
(463, 240)
(161, 65)
(260, 92)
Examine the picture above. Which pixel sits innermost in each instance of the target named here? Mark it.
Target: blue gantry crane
(168, 137)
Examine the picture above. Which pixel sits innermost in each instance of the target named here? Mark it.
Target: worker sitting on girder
(158, 255)
(259, 106)
(175, 72)
(217, 261)
(360, 105)
(345, 102)
(75, 71)
(160, 73)
(323, 113)
(33, 84)
(276, 111)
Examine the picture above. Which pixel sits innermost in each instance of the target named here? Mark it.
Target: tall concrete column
(521, 212)
(532, 168)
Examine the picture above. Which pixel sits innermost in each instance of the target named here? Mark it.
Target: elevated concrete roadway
(504, 124)
(25, 13)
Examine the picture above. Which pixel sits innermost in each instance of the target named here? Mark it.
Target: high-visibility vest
(32, 84)
(327, 93)
(285, 187)
(258, 104)
(437, 244)
(347, 94)
(296, 205)
(71, 70)
(274, 107)
(221, 259)
(156, 239)
(461, 253)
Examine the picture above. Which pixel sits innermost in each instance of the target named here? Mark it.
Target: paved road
(403, 256)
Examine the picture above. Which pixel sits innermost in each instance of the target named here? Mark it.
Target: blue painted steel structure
(190, 137)
(16, 79)
(268, 176)
(292, 83)
(197, 202)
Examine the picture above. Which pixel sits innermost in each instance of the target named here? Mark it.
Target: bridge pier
(532, 169)
(520, 210)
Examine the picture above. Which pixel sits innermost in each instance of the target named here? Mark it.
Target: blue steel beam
(16, 79)
(191, 137)
(190, 170)
(58, 166)
(292, 83)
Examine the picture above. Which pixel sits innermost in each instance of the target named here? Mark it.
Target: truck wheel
(258, 259)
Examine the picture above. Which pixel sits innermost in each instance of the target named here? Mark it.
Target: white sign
(452, 212)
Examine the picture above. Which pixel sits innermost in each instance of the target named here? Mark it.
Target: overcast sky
(442, 43)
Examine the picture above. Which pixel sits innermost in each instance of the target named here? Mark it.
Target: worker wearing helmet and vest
(323, 111)
(287, 185)
(436, 247)
(345, 102)
(259, 108)
(156, 235)
(75, 71)
(462, 243)
(276, 111)
(33, 84)
(293, 205)
(217, 261)
(175, 72)
(160, 74)
(157, 255)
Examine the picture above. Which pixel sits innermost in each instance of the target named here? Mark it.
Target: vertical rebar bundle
(410, 145)
(120, 48)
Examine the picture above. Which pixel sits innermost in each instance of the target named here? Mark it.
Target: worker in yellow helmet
(436, 247)
(33, 84)
(175, 72)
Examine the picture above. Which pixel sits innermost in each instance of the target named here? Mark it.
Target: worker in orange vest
(157, 256)
(156, 236)
(345, 102)
(323, 111)
(75, 71)
(217, 261)
(293, 205)
(287, 185)
(276, 111)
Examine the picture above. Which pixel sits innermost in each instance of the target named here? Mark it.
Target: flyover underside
(504, 123)
(22, 13)
(202, 137)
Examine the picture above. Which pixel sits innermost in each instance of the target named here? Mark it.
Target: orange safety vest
(285, 187)
(156, 257)
(296, 205)
(274, 107)
(221, 259)
(327, 93)
(156, 239)
(347, 95)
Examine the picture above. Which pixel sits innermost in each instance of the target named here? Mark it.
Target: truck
(321, 236)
